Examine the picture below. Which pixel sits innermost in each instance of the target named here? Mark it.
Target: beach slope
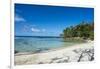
(75, 53)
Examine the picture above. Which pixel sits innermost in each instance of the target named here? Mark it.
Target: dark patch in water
(15, 51)
(26, 43)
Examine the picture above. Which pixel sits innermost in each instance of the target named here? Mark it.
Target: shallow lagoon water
(34, 44)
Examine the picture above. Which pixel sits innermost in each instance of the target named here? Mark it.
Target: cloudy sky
(42, 20)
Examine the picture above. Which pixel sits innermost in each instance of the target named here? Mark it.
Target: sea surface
(39, 44)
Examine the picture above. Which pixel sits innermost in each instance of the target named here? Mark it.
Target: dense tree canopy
(83, 30)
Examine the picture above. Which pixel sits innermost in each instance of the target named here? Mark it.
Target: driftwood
(89, 53)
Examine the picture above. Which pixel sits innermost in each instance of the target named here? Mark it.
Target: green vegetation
(83, 30)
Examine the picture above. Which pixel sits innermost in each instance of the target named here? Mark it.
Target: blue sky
(43, 20)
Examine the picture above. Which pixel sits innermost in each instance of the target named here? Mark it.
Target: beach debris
(85, 54)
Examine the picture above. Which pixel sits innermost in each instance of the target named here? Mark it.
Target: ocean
(39, 44)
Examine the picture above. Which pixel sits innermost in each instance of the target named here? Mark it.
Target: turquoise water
(36, 44)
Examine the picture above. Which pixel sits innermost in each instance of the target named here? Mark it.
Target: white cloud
(35, 30)
(19, 18)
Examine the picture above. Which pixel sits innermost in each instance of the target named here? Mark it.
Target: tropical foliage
(83, 30)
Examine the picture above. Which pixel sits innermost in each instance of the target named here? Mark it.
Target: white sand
(54, 55)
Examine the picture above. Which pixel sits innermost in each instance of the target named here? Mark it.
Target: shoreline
(53, 56)
(45, 51)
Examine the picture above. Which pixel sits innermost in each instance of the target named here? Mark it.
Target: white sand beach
(75, 53)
